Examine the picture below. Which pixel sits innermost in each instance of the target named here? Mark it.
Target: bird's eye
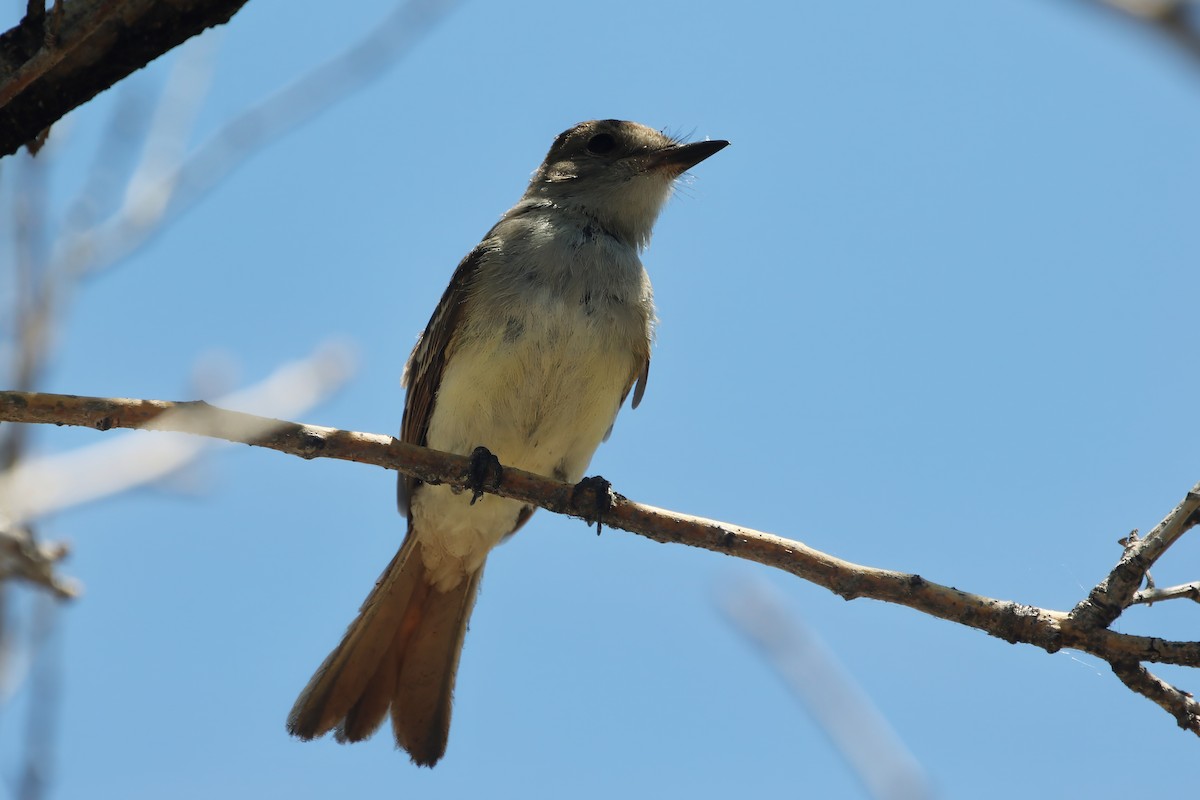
(601, 144)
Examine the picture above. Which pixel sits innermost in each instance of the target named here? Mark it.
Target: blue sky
(932, 310)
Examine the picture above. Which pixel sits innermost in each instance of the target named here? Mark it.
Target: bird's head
(620, 173)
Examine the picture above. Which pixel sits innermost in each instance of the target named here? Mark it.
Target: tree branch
(1181, 705)
(48, 67)
(1115, 593)
(1013, 622)
(1149, 596)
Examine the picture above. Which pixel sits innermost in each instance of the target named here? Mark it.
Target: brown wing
(423, 372)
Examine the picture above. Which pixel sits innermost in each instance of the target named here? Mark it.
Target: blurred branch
(40, 486)
(163, 183)
(34, 293)
(843, 711)
(1173, 21)
(167, 187)
(1013, 622)
(24, 558)
(50, 65)
(36, 487)
(37, 770)
(152, 138)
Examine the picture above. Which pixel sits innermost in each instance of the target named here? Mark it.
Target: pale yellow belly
(541, 402)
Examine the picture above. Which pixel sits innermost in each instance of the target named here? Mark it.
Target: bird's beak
(680, 157)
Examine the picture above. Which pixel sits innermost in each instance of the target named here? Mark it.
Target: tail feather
(400, 653)
(421, 704)
(370, 704)
(370, 709)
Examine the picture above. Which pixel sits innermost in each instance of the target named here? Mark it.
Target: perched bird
(544, 330)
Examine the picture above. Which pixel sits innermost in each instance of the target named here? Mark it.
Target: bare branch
(1013, 622)
(1115, 593)
(1184, 591)
(48, 69)
(1179, 704)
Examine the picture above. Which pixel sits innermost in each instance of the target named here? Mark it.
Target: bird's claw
(601, 499)
(483, 472)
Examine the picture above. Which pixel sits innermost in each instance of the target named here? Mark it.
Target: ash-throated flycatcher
(543, 331)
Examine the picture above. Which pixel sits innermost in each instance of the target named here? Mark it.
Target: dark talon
(483, 472)
(601, 499)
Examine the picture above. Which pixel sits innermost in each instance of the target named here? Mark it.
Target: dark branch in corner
(1013, 622)
(1174, 22)
(50, 65)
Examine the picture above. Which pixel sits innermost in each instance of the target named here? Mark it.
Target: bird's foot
(483, 472)
(597, 492)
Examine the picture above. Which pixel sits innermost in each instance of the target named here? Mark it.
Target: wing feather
(423, 372)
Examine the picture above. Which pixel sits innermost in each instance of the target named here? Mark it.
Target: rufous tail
(400, 654)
